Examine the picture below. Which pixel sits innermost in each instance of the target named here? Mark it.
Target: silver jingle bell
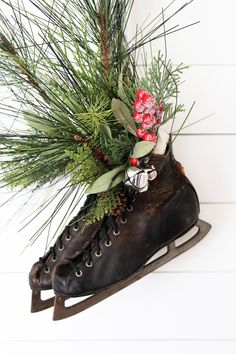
(152, 173)
(136, 178)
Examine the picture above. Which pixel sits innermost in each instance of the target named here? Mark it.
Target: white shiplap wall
(188, 306)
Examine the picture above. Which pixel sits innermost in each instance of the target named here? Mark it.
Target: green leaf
(107, 181)
(142, 148)
(122, 114)
(107, 130)
(38, 123)
(121, 91)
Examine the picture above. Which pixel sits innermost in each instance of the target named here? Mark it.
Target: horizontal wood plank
(213, 112)
(210, 164)
(208, 42)
(158, 307)
(117, 347)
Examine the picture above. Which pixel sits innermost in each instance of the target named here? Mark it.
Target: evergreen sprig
(85, 168)
(163, 80)
(104, 205)
(63, 67)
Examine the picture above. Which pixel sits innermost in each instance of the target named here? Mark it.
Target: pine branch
(12, 55)
(78, 63)
(104, 35)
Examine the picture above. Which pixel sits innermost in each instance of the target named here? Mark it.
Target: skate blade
(37, 304)
(61, 311)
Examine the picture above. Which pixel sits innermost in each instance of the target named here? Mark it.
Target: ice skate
(70, 241)
(119, 253)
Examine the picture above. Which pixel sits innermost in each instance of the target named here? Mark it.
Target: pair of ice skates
(102, 258)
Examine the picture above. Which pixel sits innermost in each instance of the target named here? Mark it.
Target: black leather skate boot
(74, 236)
(120, 251)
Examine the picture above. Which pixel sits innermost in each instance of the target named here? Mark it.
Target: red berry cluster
(149, 115)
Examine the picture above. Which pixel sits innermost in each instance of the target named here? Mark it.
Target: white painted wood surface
(188, 306)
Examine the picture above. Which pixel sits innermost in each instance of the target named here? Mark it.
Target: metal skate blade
(38, 303)
(187, 236)
(61, 311)
(158, 254)
(178, 242)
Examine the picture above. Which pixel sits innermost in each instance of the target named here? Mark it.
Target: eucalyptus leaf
(107, 181)
(121, 91)
(108, 130)
(123, 116)
(142, 148)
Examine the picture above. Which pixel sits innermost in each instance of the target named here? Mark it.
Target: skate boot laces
(110, 223)
(64, 237)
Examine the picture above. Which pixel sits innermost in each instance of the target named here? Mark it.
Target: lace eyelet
(116, 233)
(75, 228)
(89, 264)
(54, 259)
(46, 270)
(98, 253)
(146, 160)
(130, 208)
(79, 273)
(68, 237)
(123, 221)
(108, 243)
(61, 248)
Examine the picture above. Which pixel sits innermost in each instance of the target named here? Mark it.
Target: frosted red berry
(150, 137)
(139, 106)
(140, 132)
(148, 121)
(149, 101)
(141, 94)
(151, 111)
(134, 161)
(138, 117)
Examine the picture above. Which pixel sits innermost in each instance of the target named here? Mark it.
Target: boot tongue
(162, 141)
(162, 151)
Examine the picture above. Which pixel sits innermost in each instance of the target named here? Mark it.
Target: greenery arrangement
(73, 81)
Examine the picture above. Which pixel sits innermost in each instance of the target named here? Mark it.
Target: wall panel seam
(213, 340)
(231, 271)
